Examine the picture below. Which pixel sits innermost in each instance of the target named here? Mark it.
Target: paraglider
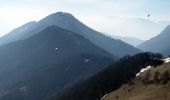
(148, 16)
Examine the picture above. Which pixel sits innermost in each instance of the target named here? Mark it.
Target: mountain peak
(58, 18)
(61, 15)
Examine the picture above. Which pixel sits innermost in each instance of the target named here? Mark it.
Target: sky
(113, 17)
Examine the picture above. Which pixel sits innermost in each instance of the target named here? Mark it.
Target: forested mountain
(34, 68)
(69, 22)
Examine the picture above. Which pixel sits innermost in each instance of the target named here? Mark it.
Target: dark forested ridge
(109, 79)
(45, 63)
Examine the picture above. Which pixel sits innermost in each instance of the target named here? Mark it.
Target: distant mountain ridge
(130, 40)
(160, 43)
(69, 22)
(17, 34)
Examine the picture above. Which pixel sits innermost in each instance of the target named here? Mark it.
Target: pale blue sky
(115, 17)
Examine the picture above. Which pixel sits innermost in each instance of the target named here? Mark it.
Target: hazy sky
(115, 17)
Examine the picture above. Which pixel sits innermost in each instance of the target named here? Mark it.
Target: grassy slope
(139, 89)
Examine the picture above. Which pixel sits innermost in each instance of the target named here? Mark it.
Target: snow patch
(143, 70)
(105, 95)
(166, 60)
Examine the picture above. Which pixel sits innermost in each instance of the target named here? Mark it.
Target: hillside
(43, 64)
(152, 84)
(69, 22)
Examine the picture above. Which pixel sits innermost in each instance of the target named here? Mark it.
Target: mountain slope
(158, 43)
(153, 84)
(17, 33)
(130, 40)
(45, 63)
(69, 22)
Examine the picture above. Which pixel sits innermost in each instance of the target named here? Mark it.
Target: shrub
(165, 77)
